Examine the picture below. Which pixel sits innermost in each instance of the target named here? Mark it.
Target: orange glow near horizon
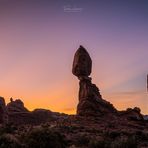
(65, 99)
(121, 103)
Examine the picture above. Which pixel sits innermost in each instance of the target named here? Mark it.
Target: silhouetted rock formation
(16, 106)
(82, 63)
(35, 117)
(132, 114)
(3, 111)
(15, 113)
(90, 99)
(145, 117)
(88, 129)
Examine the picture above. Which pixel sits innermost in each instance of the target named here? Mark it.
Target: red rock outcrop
(18, 114)
(3, 111)
(82, 63)
(132, 114)
(90, 99)
(16, 106)
(35, 117)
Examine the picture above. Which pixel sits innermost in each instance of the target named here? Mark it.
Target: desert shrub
(114, 134)
(44, 138)
(8, 128)
(9, 141)
(111, 134)
(99, 143)
(82, 140)
(143, 136)
(129, 142)
(111, 125)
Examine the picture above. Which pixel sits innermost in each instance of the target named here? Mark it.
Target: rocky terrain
(97, 124)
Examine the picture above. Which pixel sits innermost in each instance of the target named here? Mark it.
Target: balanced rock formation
(90, 99)
(82, 63)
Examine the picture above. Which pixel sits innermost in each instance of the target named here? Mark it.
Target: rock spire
(90, 99)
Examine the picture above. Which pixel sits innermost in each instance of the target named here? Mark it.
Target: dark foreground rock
(78, 132)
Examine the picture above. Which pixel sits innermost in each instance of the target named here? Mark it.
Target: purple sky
(38, 39)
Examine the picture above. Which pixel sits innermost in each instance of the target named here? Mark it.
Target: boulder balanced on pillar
(82, 63)
(90, 99)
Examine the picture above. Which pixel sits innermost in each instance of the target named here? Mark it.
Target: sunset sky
(38, 39)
